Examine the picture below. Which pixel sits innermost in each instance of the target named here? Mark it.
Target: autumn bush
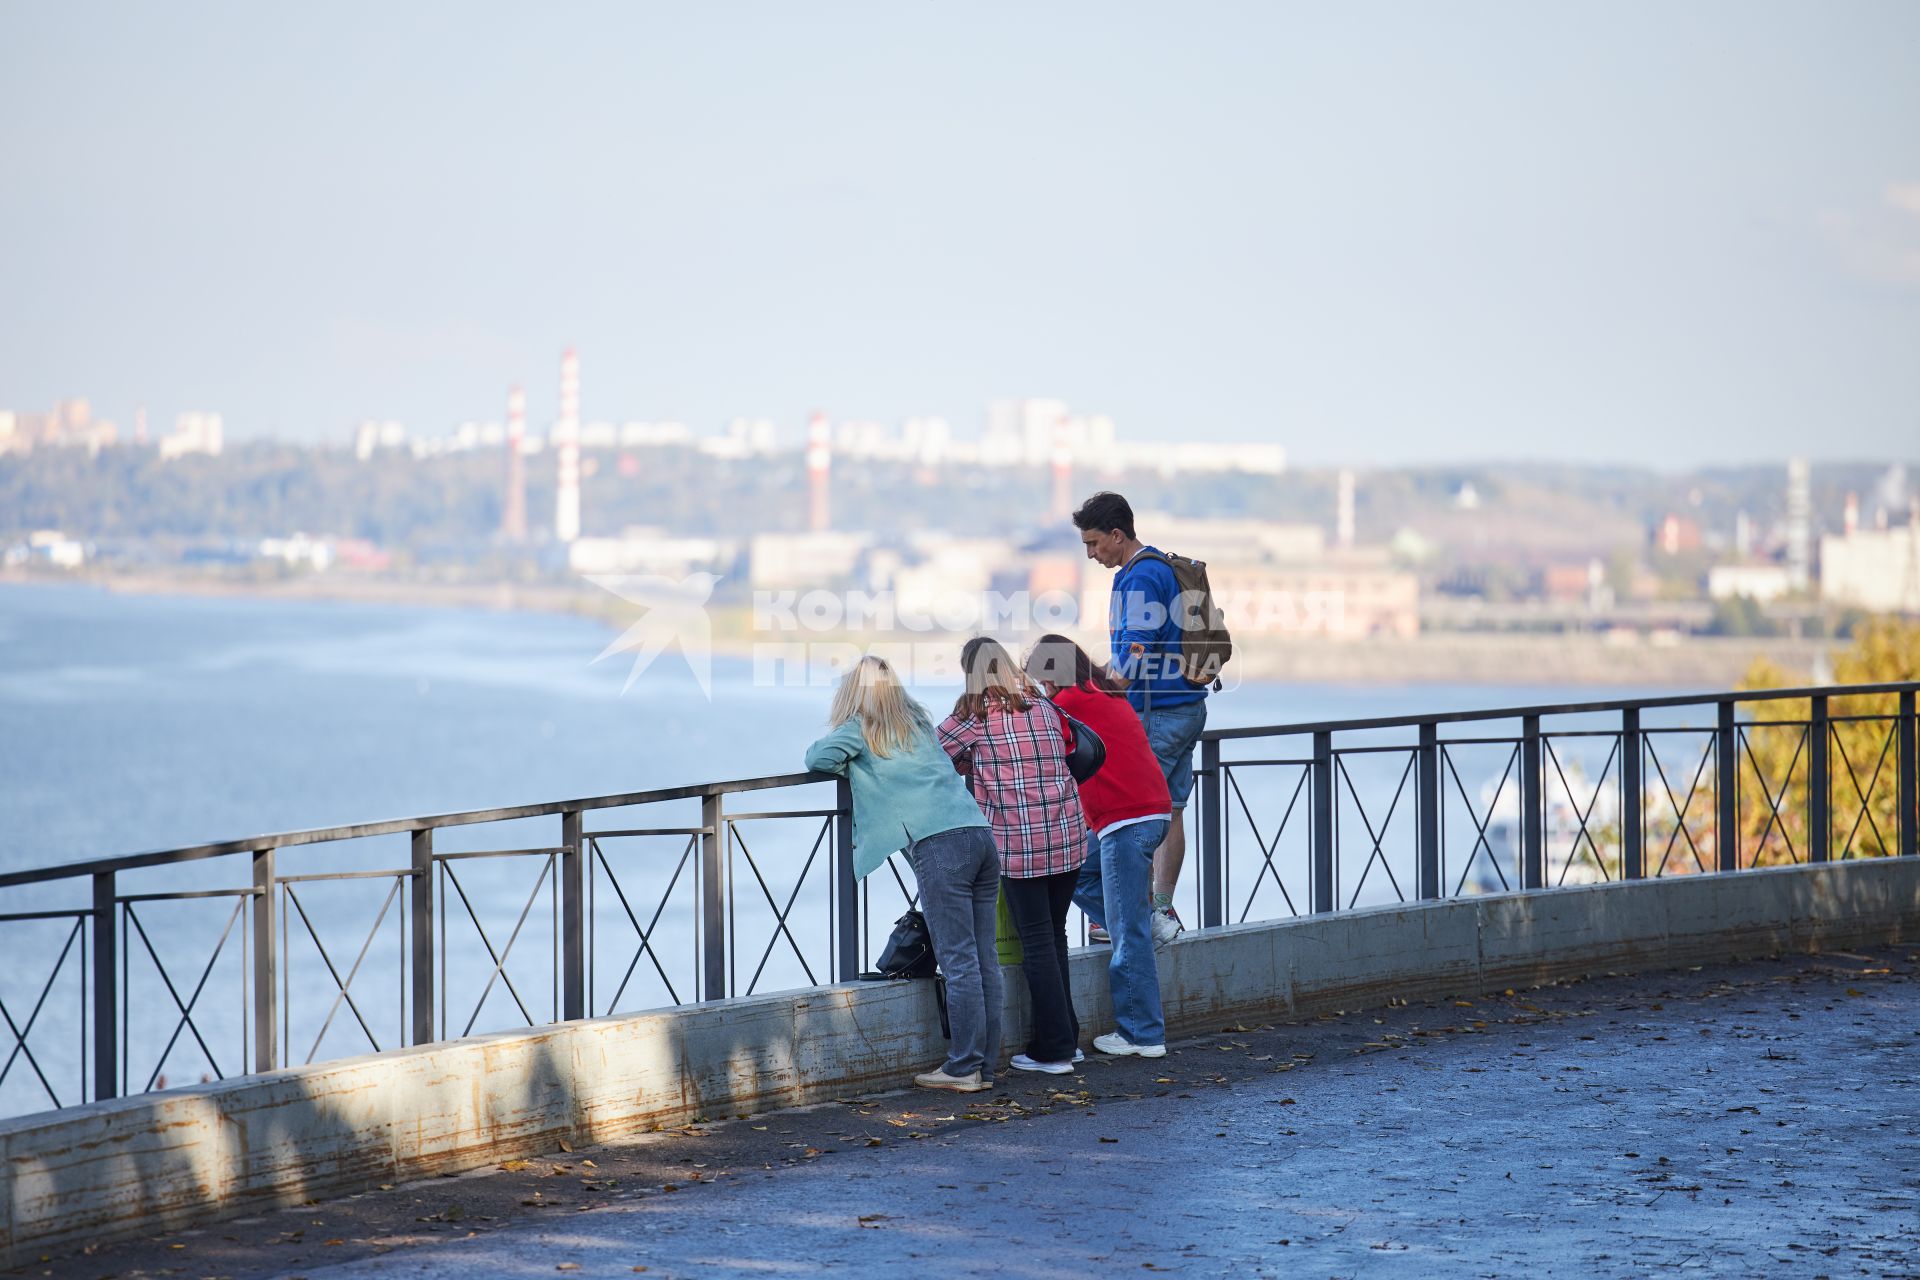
(1775, 759)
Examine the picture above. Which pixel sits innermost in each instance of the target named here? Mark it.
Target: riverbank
(1436, 657)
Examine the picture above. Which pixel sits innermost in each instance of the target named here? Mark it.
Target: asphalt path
(1743, 1120)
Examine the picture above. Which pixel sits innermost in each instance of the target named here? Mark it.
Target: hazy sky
(1648, 232)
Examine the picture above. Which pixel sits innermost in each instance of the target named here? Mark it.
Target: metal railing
(1825, 774)
(1294, 818)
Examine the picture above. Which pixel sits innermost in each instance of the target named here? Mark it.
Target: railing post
(1909, 838)
(1323, 897)
(846, 891)
(1633, 807)
(1819, 782)
(1213, 885)
(420, 903)
(1428, 838)
(1726, 761)
(573, 918)
(266, 966)
(1533, 865)
(713, 917)
(106, 982)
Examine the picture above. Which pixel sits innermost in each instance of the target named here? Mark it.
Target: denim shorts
(1173, 732)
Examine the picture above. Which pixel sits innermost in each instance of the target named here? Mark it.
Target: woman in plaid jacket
(1013, 744)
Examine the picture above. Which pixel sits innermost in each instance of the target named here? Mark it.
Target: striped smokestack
(1062, 471)
(1343, 512)
(819, 463)
(513, 513)
(566, 439)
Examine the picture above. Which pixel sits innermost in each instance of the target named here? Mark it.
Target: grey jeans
(959, 875)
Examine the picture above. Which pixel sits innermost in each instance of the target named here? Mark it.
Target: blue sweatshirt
(1146, 634)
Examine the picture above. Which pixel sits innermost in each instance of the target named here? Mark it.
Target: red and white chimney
(1062, 504)
(513, 513)
(1343, 511)
(819, 463)
(566, 440)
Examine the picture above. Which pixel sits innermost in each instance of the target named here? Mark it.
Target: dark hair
(993, 680)
(1103, 512)
(1058, 661)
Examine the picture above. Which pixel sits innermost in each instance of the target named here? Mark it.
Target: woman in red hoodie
(1127, 809)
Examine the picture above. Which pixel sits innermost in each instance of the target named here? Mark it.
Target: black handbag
(1088, 752)
(909, 949)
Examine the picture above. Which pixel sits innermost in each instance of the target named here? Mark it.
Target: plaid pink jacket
(1020, 778)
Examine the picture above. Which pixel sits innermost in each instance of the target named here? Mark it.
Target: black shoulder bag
(909, 949)
(1088, 753)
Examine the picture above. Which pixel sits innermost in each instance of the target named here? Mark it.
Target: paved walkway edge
(163, 1161)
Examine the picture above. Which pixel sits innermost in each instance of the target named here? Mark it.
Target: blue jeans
(959, 876)
(1115, 891)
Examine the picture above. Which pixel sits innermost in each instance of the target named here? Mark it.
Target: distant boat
(1569, 857)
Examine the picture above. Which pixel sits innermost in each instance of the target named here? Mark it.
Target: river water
(130, 723)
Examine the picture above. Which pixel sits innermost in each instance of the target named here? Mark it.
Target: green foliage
(250, 491)
(1863, 796)
(1740, 616)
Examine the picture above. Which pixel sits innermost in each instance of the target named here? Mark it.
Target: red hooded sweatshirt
(1129, 784)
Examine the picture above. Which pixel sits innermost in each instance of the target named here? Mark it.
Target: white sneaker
(1118, 1045)
(1021, 1062)
(1166, 926)
(939, 1079)
(1079, 1055)
(1097, 936)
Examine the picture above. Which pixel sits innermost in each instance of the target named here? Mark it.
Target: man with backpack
(1169, 643)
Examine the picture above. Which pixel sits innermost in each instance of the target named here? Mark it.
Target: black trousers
(1038, 905)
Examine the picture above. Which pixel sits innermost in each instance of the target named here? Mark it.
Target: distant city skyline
(1402, 235)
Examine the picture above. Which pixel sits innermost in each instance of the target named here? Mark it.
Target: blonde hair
(889, 719)
(994, 679)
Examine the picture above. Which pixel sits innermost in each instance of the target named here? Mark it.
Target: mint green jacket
(897, 799)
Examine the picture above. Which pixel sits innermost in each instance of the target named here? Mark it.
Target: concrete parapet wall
(160, 1161)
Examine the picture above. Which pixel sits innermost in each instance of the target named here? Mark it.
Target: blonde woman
(1013, 744)
(907, 796)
